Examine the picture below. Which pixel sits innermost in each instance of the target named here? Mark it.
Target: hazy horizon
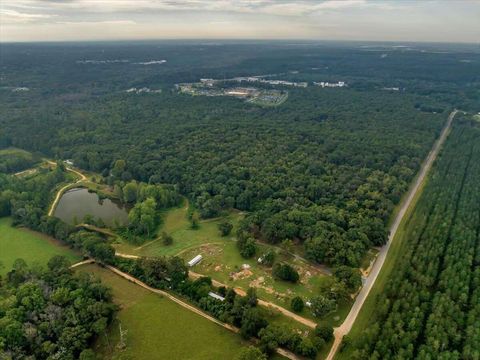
(327, 20)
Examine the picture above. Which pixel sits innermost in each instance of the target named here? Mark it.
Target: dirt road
(104, 231)
(84, 262)
(345, 328)
(62, 190)
(307, 322)
(193, 275)
(182, 303)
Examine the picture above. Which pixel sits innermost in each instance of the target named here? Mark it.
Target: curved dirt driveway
(345, 328)
(62, 190)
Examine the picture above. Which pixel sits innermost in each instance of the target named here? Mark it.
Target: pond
(78, 202)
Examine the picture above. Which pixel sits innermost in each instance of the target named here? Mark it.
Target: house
(195, 260)
(69, 162)
(216, 296)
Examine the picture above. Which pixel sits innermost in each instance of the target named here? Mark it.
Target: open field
(176, 224)
(16, 160)
(31, 246)
(222, 262)
(157, 328)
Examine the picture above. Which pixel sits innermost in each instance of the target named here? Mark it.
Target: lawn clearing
(158, 328)
(15, 160)
(29, 245)
(223, 262)
(176, 224)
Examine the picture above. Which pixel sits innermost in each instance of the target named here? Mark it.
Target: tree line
(430, 307)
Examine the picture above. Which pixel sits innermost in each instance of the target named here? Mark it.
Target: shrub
(225, 227)
(251, 353)
(324, 332)
(285, 272)
(297, 304)
(167, 239)
(247, 247)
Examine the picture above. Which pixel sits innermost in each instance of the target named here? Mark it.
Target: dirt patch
(257, 282)
(244, 274)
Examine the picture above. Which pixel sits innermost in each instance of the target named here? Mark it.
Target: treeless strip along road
(345, 328)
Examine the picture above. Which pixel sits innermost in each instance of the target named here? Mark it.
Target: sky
(375, 20)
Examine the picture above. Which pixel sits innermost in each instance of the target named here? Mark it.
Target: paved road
(345, 328)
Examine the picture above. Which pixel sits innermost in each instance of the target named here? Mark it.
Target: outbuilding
(216, 296)
(195, 260)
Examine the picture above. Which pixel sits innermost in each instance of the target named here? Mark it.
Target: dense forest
(324, 169)
(430, 308)
(51, 313)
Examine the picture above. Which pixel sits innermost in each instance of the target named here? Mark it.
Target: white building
(216, 296)
(195, 260)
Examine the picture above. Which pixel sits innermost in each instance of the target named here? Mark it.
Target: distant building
(69, 162)
(195, 260)
(327, 84)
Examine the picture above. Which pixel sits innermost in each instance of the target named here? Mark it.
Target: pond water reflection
(78, 202)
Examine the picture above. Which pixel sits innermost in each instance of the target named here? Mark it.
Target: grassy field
(14, 160)
(31, 246)
(158, 328)
(222, 261)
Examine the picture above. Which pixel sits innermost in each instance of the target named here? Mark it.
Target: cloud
(89, 23)
(316, 19)
(12, 16)
(269, 7)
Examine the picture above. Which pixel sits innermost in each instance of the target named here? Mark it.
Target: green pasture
(33, 247)
(158, 328)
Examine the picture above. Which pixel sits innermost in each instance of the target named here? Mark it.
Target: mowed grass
(176, 224)
(31, 246)
(158, 328)
(9, 152)
(221, 258)
(223, 262)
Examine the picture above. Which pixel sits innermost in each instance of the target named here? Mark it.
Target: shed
(216, 296)
(195, 260)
